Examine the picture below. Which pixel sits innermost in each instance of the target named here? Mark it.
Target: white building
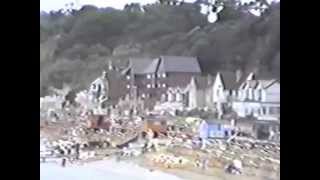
(258, 98)
(225, 89)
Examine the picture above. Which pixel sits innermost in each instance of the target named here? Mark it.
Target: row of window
(163, 75)
(156, 86)
(263, 110)
(151, 76)
(151, 86)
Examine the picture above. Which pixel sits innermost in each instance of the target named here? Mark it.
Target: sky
(48, 5)
(100, 170)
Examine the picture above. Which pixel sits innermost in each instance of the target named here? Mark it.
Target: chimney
(209, 79)
(104, 74)
(238, 75)
(110, 65)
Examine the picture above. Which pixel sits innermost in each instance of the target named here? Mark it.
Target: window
(128, 77)
(148, 86)
(164, 75)
(164, 85)
(99, 88)
(110, 67)
(93, 86)
(247, 94)
(274, 110)
(148, 76)
(234, 93)
(159, 85)
(264, 111)
(143, 95)
(153, 76)
(153, 86)
(128, 86)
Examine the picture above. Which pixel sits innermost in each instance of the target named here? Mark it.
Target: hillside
(75, 47)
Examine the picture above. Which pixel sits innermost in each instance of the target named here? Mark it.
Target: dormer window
(93, 86)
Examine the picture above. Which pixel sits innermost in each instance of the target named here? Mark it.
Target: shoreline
(102, 169)
(188, 173)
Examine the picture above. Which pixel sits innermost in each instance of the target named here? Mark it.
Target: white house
(225, 89)
(219, 89)
(258, 98)
(196, 94)
(226, 85)
(99, 88)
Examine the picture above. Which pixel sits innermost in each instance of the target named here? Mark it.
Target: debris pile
(170, 161)
(84, 131)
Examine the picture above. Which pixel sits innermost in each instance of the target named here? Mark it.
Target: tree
(133, 7)
(88, 36)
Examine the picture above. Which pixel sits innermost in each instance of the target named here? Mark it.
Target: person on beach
(64, 161)
(118, 156)
(77, 151)
(204, 164)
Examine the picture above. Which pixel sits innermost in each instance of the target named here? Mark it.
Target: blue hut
(214, 129)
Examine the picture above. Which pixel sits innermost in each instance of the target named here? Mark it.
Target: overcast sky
(48, 5)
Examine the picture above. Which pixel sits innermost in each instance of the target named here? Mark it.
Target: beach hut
(214, 129)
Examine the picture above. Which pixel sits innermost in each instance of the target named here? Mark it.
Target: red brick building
(152, 77)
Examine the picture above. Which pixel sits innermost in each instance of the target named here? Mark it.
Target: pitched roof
(117, 87)
(179, 64)
(255, 83)
(229, 79)
(252, 83)
(143, 65)
(203, 82)
(267, 83)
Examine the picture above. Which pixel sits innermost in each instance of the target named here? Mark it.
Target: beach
(101, 170)
(136, 170)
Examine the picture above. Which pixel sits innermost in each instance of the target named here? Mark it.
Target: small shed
(214, 129)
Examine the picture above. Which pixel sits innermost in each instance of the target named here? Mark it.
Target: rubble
(173, 142)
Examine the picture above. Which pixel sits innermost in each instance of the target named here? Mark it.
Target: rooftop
(143, 65)
(179, 64)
